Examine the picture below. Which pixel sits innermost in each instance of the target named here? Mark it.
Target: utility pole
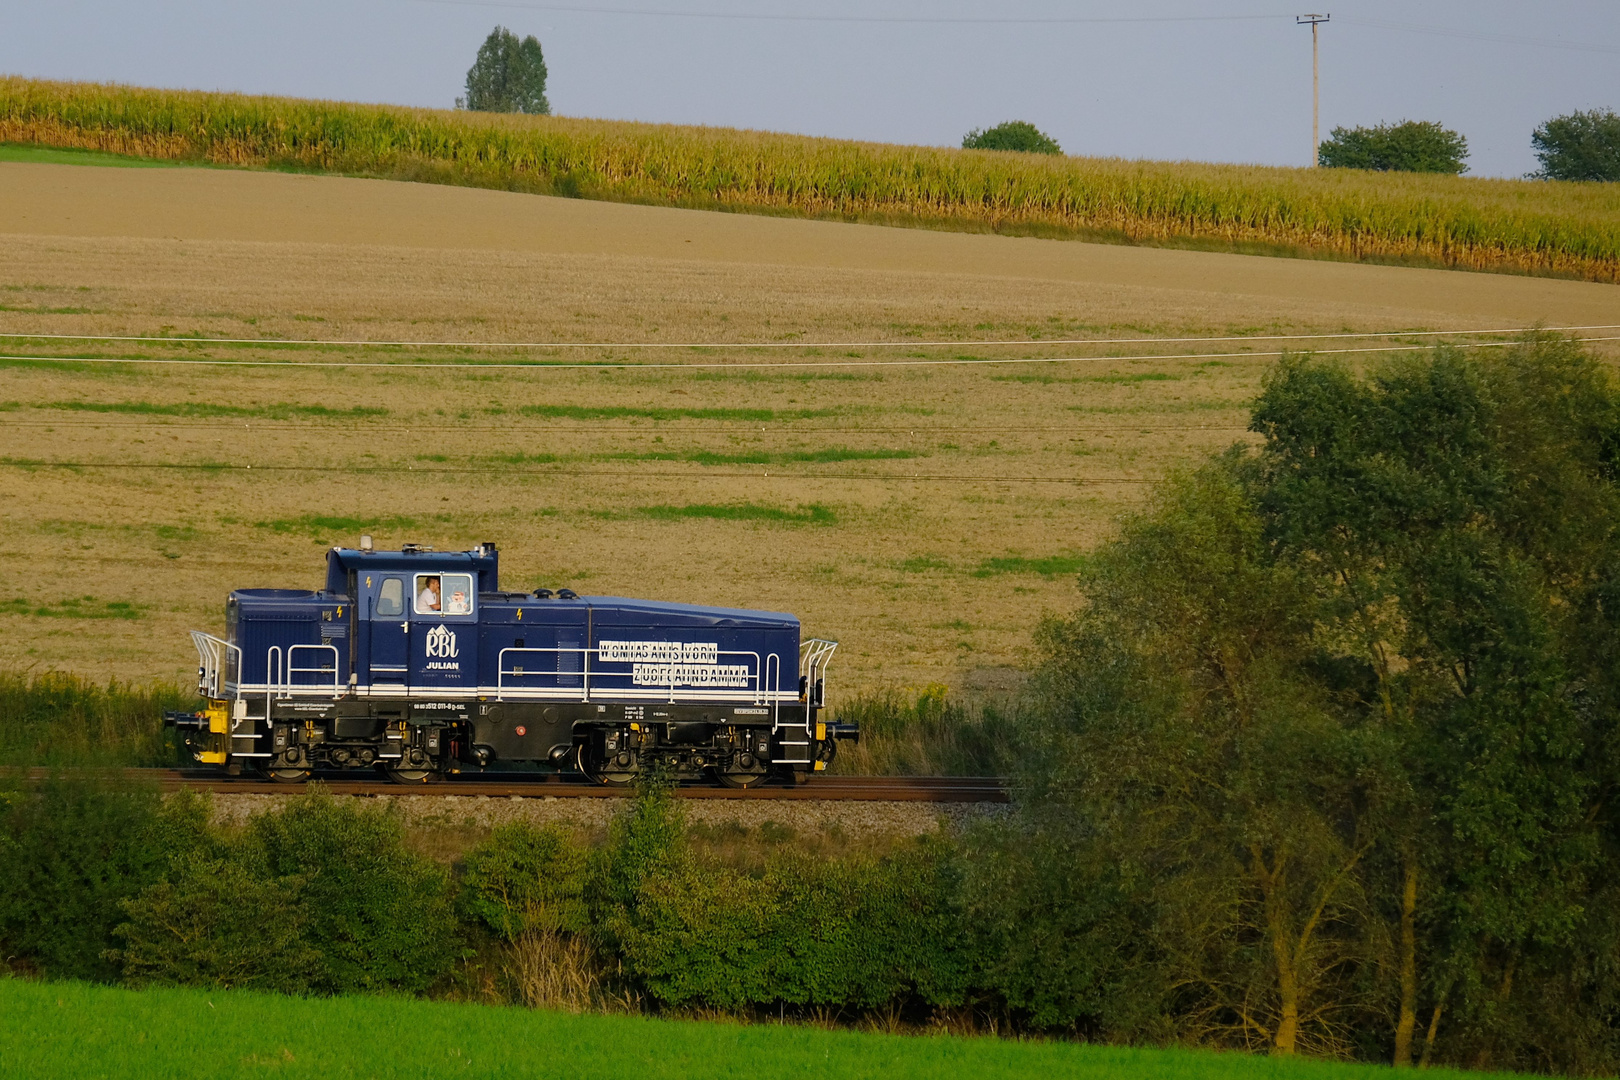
(1316, 84)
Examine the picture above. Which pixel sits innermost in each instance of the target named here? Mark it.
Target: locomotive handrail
(775, 660)
(814, 656)
(280, 677)
(214, 656)
(758, 676)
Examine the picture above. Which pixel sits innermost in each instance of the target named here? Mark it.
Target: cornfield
(1565, 229)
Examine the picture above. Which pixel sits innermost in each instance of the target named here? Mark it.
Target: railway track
(938, 789)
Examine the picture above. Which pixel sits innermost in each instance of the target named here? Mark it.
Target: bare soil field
(924, 515)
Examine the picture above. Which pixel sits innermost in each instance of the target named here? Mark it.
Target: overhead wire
(801, 17)
(1016, 20)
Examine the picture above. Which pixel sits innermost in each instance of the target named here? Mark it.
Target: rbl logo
(441, 642)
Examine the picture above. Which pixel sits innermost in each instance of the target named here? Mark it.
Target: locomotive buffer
(416, 662)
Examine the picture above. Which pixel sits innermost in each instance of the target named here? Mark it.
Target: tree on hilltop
(1580, 146)
(1013, 135)
(1409, 146)
(508, 76)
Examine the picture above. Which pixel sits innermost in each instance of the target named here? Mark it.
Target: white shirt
(428, 601)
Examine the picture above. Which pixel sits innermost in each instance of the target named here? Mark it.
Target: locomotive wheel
(289, 776)
(409, 776)
(602, 774)
(740, 780)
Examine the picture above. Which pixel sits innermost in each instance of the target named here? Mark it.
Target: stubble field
(923, 514)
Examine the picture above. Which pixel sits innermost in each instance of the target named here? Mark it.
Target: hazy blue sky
(1229, 89)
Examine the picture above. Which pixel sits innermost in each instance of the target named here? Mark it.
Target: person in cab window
(428, 600)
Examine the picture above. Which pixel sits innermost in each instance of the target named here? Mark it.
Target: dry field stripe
(206, 425)
(785, 364)
(369, 470)
(959, 343)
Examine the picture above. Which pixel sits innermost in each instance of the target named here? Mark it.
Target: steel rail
(936, 789)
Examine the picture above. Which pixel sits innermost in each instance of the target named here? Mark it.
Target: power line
(738, 366)
(936, 20)
(1475, 35)
(1057, 20)
(956, 343)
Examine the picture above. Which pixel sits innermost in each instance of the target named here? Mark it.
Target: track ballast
(939, 789)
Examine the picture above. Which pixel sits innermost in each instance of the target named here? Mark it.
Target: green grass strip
(86, 1032)
(827, 455)
(322, 524)
(637, 412)
(1047, 566)
(46, 155)
(87, 607)
(278, 411)
(813, 514)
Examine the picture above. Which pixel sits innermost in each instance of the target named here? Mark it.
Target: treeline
(1427, 219)
(1327, 760)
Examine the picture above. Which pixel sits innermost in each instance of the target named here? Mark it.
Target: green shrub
(379, 915)
(647, 838)
(70, 852)
(525, 878)
(856, 932)
(219, 924)
(1409, 146)
(1056, 935)
(1018, 135)
(59, 719)
(927, 733)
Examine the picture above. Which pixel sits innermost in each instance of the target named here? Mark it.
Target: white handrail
(280, 678)
(214, 663)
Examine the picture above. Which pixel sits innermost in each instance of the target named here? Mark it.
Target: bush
(855, 932)
(70, 852)
(379, 916)
(1580, 146)
(525, 878)
(927, 733)
(1409, 146)
(1058, 935)
(219, 924)
(58, 719)
(1013, 135)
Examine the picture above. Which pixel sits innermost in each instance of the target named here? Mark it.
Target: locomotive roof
(693, 614)
(482, 560)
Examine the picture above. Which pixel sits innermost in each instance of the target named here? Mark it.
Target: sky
(1226, 81)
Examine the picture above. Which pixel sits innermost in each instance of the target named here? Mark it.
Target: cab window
(444, 594)
(391, 597)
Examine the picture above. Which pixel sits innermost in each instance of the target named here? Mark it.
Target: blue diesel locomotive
(415, 662)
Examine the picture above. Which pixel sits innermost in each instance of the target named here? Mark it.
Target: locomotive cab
(416, 662)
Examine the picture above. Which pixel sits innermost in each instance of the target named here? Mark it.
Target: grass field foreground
(82, 1031)
(1514, 225)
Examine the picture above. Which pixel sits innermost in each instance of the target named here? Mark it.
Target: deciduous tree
(508, 76)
